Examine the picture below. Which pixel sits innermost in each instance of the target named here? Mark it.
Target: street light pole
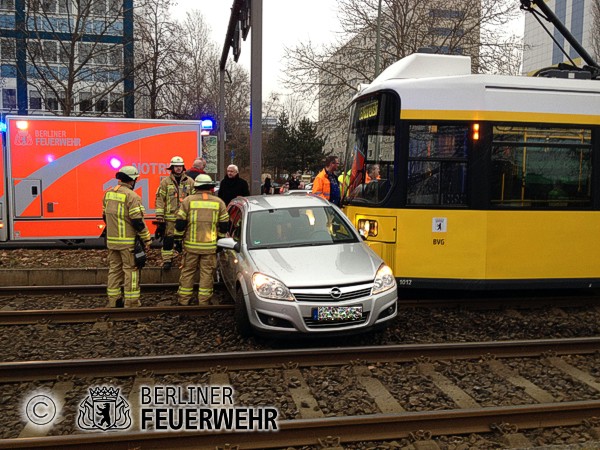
(378, 40)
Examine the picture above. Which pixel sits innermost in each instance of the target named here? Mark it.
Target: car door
(227, 257)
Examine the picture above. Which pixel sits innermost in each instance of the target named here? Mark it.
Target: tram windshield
(369, 170)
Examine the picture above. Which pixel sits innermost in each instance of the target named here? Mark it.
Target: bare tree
(86, 69)
(190, 90)
(157, 55)
(595, 29)
(334, 71)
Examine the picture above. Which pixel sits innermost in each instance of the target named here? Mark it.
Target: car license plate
(336, 313)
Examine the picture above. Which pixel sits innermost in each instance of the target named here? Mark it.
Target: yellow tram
(477, 181)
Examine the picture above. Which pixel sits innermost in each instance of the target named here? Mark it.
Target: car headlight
(384, 280)
(270, 288)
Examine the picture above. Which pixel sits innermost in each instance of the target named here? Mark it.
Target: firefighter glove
(177, 246)
(161, 228)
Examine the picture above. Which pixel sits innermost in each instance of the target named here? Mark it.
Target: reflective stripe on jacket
(202, 212)
(169, 195)
(120, 206)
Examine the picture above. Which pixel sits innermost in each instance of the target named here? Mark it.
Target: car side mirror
(229, 244)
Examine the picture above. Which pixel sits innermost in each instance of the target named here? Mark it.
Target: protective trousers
(166, 252)
(122, 271)
(193, 262)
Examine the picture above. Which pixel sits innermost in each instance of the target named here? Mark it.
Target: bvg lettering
(438, 242)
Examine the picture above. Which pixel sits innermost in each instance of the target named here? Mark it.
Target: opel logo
(335, 293)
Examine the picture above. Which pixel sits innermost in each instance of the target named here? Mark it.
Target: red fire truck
(54, 171)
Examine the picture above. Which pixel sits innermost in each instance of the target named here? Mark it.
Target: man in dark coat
(232, 185)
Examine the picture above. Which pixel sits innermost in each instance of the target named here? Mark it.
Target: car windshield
(298, 227)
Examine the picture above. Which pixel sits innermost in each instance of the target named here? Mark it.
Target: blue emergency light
(207, 124)
(2, 127)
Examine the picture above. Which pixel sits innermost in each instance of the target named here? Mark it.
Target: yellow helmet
(176, 161)
(129, 171)
(204, 180)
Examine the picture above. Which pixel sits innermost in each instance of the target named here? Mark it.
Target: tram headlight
(270, 288)
(368, 227)
(384, 280)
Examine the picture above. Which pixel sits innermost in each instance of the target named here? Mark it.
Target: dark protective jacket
(231, 188)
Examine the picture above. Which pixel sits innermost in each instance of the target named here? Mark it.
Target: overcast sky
(285, 23)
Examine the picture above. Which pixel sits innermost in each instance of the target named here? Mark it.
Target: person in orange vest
(201, 220)
(326, 184)
(123, 214)
(372, 173)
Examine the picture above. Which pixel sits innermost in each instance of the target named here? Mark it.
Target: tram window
(541, 167)
(369, 174)
(437, 165)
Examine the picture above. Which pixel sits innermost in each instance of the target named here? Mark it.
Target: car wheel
(240, 314)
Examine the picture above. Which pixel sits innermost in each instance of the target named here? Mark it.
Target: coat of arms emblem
(104, 409)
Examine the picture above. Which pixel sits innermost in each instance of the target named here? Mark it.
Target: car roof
(266, 202)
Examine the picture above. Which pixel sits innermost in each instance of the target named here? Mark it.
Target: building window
(101, 55)
(7, 4)
(99, 7)
(85, 50)
(52, 103)
(35, 100)
(85, 101)
(50, 51)
(64, 6)
(7, 49)
(9, 98)
(447, 14)
(115, 56)
(35, 49)
(49, 6)
(102, 105)
(116, 103)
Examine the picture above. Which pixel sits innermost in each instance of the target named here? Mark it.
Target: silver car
(295, 264)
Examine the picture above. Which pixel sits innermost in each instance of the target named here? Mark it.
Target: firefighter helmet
(204, 180)
(176, 161)
(128, 171)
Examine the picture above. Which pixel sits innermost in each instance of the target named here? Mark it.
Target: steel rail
(46, 370)
(88, 288)
(346, 429)
(83, 315)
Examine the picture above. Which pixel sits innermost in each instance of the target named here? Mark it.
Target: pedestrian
(123, 215)
(171, 192)
(344, 182)
(326, 184)
(373, 173)
(201, 219)
(198, 167)
(294, 183)
(267, 186)
(232, 185)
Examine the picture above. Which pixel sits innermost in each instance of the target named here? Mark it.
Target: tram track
(312, 425)
(86, 315)
(407, 299)
(252, 360)
(330, 432)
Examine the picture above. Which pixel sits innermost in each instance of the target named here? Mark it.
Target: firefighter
(171, 192)
(123, 214)
(201, 219)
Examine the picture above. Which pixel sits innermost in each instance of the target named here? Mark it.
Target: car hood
(324, 265)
